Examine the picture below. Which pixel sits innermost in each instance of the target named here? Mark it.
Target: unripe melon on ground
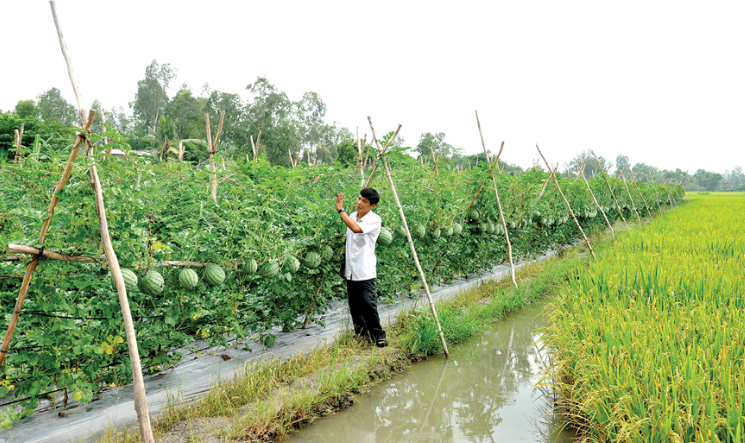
(214, 275)
(490, 228)
(312, 260)
(130, 280)
(291, 263)
(420, 231)
(327, 253)
(449, 232)
(249, 267)
(153, 283)
(400, 231)
(436, 233)
(457, 228)
(269, 269)
(188, 279)
(474, 215)
(385, 237)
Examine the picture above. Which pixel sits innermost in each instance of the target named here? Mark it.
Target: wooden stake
(68, 60)
(134, 355)
(19, 137)
(414, 254)
(385, 149)
(556, 182)
(582, 173)
(656, 196)
(605, 176)
(499, 204)
(545, 184)
(633, 204)
(42, 236)
(28, 250)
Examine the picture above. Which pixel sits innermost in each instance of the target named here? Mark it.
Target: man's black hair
(370, 194)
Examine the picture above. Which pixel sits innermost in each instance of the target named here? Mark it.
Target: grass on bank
(271, 398)
(649, 342)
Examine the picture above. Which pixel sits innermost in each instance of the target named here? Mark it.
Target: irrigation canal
(483, 394)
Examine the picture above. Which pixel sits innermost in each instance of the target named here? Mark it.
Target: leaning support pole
(582, 172)
(134, 355)
(649, 213)
(605, 176)
(499, 204)
(545, 184)
(383, 151)
(656, 195)
(416, 257)
(669, 197)
(628, 192)
(558, 188)
(42, 236)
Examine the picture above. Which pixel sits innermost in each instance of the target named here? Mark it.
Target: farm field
(274, 233)
(648, 342)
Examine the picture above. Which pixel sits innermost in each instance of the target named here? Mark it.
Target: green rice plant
(647, 343)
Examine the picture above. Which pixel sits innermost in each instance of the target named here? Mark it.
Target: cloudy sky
(660, 81)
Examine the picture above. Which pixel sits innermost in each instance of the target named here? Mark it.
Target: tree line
(286, 131)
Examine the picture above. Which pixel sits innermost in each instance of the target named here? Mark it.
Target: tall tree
(26, 109)
(591, 165)
(152, 94)
(432, 141)
(52, 107)
(187, 113)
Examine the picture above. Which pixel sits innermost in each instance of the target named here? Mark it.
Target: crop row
(273, 231)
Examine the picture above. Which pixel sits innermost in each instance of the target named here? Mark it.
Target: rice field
(649, 342)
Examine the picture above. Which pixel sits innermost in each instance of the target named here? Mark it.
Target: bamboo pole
(134, 355)
(669, 197)
(68, 60)
(499, 203)
(556, 182)
(633, 180)
(582, 172)
(42, 236)
(385, 149)
(387, 167)
(19, 138)
(545, 184)
(633, 204)
(605, 176)
(28, 250)
(213, 150)
(656, 195)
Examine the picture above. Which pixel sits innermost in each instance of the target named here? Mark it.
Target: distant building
(728, 186)
(120, 153)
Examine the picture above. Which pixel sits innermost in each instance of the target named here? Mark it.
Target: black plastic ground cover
(203, 366)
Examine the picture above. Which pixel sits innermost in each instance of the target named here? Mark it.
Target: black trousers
(364, 309)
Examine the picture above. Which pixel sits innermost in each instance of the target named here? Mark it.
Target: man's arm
(345, 217)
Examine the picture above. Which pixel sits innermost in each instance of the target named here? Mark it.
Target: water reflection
(483, 394)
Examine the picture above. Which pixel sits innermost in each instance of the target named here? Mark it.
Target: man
(363, 228)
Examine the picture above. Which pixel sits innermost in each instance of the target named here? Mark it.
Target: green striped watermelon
(153, 283)
(420, 231)
(312, 260)
(291, 264)
(269, 269)
(436, 233)
(214, 275)
(457, 228)
(400, 231)
(188, 279)
(249, 266)
(130, 280)
(327, 253)
(385, 238)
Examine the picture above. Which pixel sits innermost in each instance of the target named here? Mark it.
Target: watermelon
(436, 233)
(312, 260)
(449, 232)
(153, 283)
(400, 231)
(269, 269)
(474, 215)
(291, 263)
(457, 228)
(499, 230)
(327, 253)
(385, 238)
(490, 228)
(188, 279)
(483, 227)
(130, 280)
(420, 231)
(249, 266)
(536, 213)
(214, 275)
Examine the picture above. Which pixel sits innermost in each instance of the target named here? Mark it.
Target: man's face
(363, 205)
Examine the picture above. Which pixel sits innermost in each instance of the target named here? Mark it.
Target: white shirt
(361, 262)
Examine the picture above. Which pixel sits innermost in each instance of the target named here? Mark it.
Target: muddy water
(483, 394)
